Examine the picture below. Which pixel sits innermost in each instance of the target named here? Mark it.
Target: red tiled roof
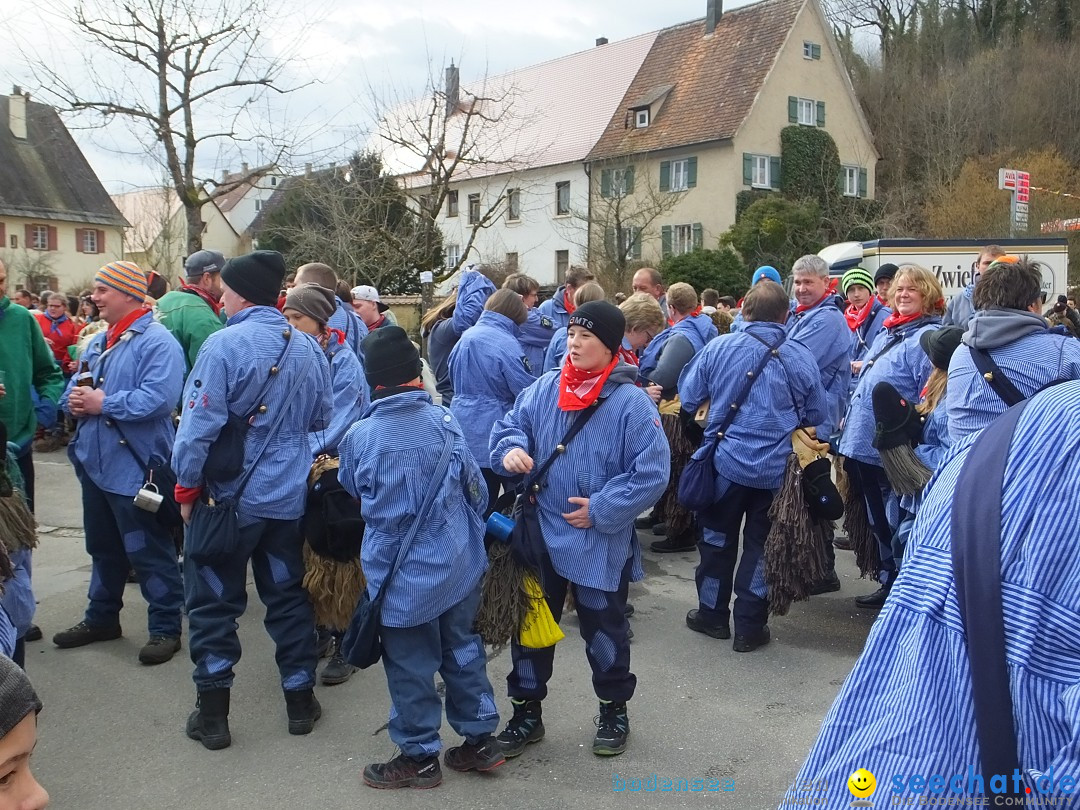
(715, 79)
(229, 200)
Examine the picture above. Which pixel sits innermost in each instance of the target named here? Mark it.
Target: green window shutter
(841, 180)
(821, 113)
(862, 182)
(665, 241)
(628, 180)
(698, 236)
(774, 172)
(815, 51)
(665, 175)
(691, 172)
(792, 110)
(605, 183)
(747, 169)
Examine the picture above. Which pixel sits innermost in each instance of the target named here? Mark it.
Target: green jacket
(191, 321)
(27, 361)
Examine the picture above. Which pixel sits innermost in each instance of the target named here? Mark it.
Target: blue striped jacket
(620, 461)
(345, 320)
(387, 459)
(351, 397)
(488, 371)
(229, 374)
(906, 707)
(824, 331)
(142, 376)
(535, 336)
(788, 394)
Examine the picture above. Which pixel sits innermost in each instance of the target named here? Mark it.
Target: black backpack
(332, 524)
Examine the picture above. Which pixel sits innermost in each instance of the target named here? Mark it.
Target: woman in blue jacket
(488, 370)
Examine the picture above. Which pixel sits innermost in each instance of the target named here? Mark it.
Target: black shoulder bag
(995, 377)
(526, 539)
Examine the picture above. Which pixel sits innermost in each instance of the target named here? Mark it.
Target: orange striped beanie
(126, 277)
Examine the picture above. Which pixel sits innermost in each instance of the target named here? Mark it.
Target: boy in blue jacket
(387, 459)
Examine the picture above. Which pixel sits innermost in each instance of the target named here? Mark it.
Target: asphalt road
(111, 735)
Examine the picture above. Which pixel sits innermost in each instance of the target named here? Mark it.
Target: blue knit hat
(766, 271)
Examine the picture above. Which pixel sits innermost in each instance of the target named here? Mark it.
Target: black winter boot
(303, 710)
(612, 729)
(526, 726)
(209, 723)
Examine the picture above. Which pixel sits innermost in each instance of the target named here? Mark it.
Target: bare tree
(186, 75)
(891, 20)
(34, 268)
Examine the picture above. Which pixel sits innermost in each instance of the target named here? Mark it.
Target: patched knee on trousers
(212, 580)
(156, 587)
(466, 653)
(301, 679)
(135, 541)
(710, 592)
(590, 598)
(393, 712)
(526, 673)
(758, 586)
(215, 664)
(716, 539)
(97, 590)
(602, 648)
(278, 569)
(487, 708)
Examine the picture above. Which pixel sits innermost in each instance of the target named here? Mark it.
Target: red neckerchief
(568, 302)
(419, 385)
(627, 356)
(335, 333)
(579, 389)
(896, 319)
(695, 312)
(881, 298)
(205, 296)
(800, 308)
(378, 323)
(117, 329)
(857, 317)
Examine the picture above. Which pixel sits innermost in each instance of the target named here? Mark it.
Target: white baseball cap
(365, 292)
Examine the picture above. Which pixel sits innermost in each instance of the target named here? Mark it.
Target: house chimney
(17, 113)
(601, 41)
(453, 89)
(224, 175)
(714, 10)
(243, 169)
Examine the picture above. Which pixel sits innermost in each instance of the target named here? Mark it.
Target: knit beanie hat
(886, 271)
(604, 320)
(318, 303)
(856, 275)
(390, 358)
(256, 276)
(17, 696)
(766, 271)
(127, 277)
(939, 344)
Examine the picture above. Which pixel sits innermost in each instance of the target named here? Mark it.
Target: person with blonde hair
(556, 350)
(444, 325)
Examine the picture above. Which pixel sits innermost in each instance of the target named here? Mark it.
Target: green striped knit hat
(857, 275)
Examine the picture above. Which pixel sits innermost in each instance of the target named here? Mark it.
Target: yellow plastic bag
(539, 629)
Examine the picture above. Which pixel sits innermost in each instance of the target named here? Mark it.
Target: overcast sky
(349, 48)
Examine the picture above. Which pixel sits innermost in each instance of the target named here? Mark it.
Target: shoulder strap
(273, 372)
(560, 448)
(976, 559)
(995, 377)
(751, 378)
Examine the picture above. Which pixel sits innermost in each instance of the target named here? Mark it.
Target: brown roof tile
(715, 79)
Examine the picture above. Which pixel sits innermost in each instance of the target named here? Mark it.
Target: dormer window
(641, 118)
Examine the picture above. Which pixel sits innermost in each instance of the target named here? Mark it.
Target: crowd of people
(229, 398)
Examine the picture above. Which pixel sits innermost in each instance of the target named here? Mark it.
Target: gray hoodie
(991, 328)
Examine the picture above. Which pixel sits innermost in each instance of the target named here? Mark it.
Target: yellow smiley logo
(861, 783)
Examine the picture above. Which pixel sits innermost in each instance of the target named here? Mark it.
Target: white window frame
(258, 205)
(560, 209)
(760, 175)
(474, 214)
(452, 206)
(89, 241)
(273, 180)
(851, 181)
(682, 239)
(807, 49)
(807, 112)
(452, 255)
(513, 205)
(618, 182)
(629, 234)
(41, 237)
(680, 175)
(641, 118)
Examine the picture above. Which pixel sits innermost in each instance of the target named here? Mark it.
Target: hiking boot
(337, 669)
(699, 625)
(751, 641)
(482, 755)
(612, 729)
(843, 543)
(659, 529)
(33, 634)
(209, 723)
(159, 649)
(303, 710)
(873, 600)
(403, 771)
(829, 584)
(646, 522)
(526, 726)
(48, 444)
(687, 541)
(82, 634)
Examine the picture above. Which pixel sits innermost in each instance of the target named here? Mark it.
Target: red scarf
(205, 296)
(579, 389)
(896, 319)
(801, 308)
(378, 323)
(695, 312)
(117, 329)
(881, 298)
(568, 302)
(857, 317)
(627, 356)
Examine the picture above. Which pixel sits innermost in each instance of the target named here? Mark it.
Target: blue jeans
(716, 576)
(217, 596)
(119, 536)
(412, 656)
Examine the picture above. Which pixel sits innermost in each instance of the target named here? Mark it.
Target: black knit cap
(390, 358)
(604, 320)
(256, 276)
(886, 271)
(17, 696)
(898, 423)
(939, 344)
